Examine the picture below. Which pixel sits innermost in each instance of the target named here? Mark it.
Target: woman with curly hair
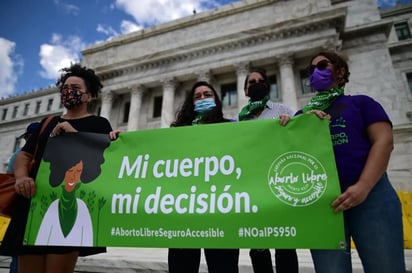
(78, 86)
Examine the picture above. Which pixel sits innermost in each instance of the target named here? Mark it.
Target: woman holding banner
(257, 88)
(201, 106)
(78, 86)
(362, 137)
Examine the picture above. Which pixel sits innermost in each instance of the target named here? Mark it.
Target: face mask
(321, 80)
(203, 106)
(257, 91)
(71, 98)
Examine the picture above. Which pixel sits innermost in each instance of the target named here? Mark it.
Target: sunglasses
(320, 65)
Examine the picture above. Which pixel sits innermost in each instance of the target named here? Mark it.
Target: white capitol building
(147, 73)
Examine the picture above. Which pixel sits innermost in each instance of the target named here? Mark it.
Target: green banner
(251, 184)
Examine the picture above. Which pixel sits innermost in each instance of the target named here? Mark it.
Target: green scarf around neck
(322, 100)
(68, 210)
(252, 108)
(197, 119)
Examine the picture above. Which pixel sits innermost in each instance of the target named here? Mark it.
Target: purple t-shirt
(350, 118)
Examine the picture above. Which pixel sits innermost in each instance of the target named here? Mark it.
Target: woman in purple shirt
(362, 139)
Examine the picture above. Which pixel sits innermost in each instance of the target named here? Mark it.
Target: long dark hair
(186, 114)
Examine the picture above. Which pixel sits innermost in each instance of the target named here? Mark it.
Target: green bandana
(252, 108)
(324, 99)
(197, 119)
(67, 211)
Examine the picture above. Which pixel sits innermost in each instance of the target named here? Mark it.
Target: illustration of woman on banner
(73, 161)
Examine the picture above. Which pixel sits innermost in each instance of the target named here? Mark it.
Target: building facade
(146, 74)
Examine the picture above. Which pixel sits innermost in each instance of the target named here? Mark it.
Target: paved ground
(154, 260)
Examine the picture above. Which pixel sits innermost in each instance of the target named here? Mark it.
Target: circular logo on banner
(297, 179)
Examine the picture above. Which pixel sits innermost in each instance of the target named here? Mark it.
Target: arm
(381, 139)
(24, 184)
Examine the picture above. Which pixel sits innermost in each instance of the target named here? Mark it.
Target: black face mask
(258, 91)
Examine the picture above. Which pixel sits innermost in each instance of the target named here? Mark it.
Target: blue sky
(37, 38)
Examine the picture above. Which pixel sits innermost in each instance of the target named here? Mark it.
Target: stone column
(135, 105)
(107, 101)
(203, 76)
(167, 103)
(288, 84)
(241, 73)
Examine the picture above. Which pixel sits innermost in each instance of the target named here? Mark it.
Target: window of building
(274, 92)
(305, 83)
(38, 105)
(49, 105)
(229, 94)
(15, 110)
(3, 117)
(126, 111)
(409, 79)
(402, 31)
(26, 109)
(157, 106)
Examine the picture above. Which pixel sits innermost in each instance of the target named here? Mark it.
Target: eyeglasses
(256, 81)
(321, 65)
(205, 94)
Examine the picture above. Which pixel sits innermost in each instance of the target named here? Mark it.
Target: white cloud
(10, 67)
(59, 54)
(127, 27)
(150, 12)
(68, 8)
(107, 30)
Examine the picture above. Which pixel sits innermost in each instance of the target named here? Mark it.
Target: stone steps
(154, 260)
